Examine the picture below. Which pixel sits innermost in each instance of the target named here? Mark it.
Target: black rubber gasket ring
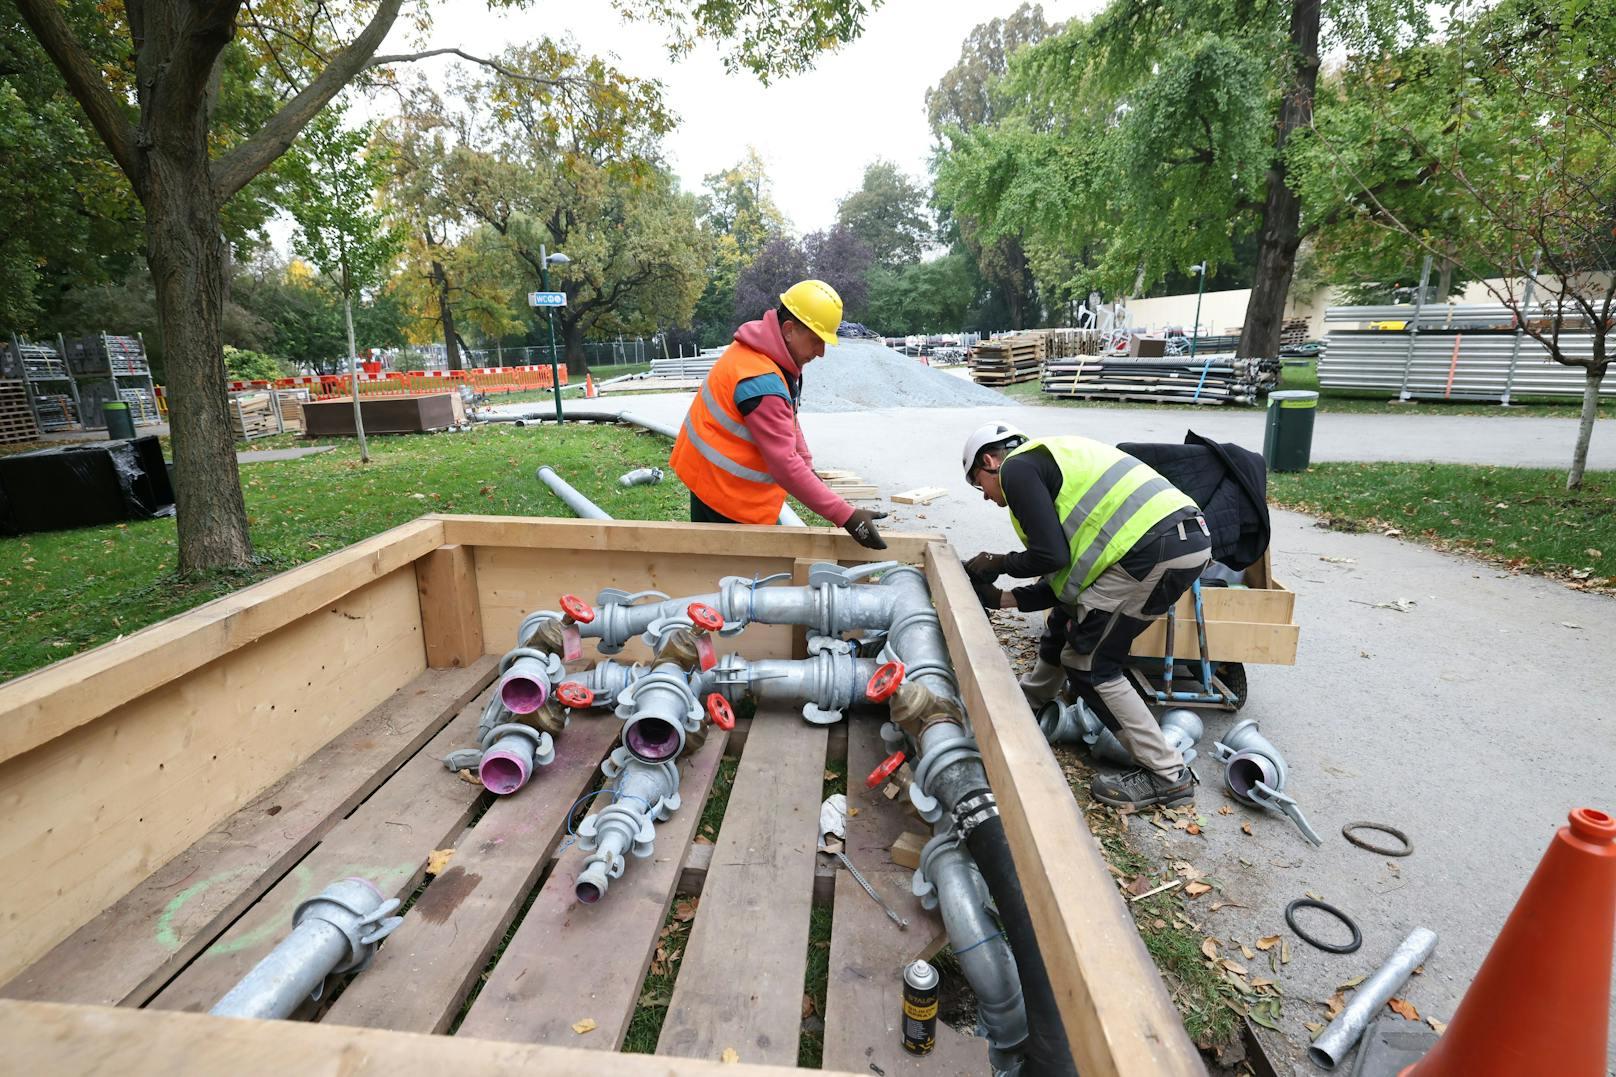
(1406, 850)
(1327, 947)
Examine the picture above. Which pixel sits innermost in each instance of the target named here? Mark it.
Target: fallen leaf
(1313, 1028)
(1404, 1007)
(685, 911)
(703, 839)
(1258, 981)
(830, 775)
(1264, 1020)
(1245, 827)
(730, 1056)
(1158, 923)
(1226, 810)
(1192, 829)
(1568, 624)
(1392, 532)
(1438, 1027)
(1334, 1005)
(852, 812)
(1350, 984)
(585, 1026)
(1216, 905)
(1196, 889)
(1268, 942)
(1595, 554)
(1315, 897)
(1187, 871)
(1140, 884)
(1209, 947)
(437, 860)
(1233, 966)
(807, 1006)
(1249, 953)
(1285, 952)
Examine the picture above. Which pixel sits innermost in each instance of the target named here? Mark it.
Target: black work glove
(986, 593)
(987, 566)
(861, 525)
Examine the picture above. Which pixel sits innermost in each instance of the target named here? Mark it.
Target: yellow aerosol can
(920, 982)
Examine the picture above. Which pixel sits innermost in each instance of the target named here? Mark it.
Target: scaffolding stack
(1205, 379)
(52, 393)
(111, 367)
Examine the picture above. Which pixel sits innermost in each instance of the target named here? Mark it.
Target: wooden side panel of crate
(80, 1041)
(1227, 641)
(95, 813)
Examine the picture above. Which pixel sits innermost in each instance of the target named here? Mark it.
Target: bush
(245, 365)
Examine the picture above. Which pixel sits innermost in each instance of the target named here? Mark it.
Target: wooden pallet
(16, 417)
(253, 415)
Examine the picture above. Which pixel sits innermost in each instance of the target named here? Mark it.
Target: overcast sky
(816, 132)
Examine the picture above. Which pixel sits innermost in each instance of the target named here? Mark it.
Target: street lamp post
(1195, 334)
(546, 259)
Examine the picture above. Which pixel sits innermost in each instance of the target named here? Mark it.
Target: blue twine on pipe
(596, 793)
(974, 945)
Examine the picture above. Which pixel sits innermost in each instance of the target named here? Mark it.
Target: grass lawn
(1353, 401)
(1522, 518)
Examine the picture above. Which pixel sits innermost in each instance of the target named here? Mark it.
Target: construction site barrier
(506, 379)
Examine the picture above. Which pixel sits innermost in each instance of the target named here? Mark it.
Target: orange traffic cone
(1541, 1001)
(589, 386)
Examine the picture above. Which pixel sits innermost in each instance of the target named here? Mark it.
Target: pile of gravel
(860, 374)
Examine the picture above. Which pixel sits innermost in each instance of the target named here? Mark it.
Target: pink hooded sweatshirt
(774, 428)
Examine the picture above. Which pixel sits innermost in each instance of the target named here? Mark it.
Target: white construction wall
(1223, 312)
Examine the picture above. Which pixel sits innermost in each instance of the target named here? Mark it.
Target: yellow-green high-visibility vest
(1108, 501)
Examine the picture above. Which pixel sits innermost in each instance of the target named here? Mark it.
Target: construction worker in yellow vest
(741, 449)
(1112, 545)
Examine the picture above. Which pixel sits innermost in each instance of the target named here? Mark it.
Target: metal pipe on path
(332, 934)
(578, 503)
(1338, 1039)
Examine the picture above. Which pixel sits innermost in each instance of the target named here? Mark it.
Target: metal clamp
(362, 929)
(935, 759)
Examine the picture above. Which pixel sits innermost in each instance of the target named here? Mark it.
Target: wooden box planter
(171, 796)
(1254, 623)
(382, 414)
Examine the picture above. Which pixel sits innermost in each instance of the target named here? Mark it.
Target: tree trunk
(572, 335)
(1444, 280)
(353, 368)
(1281, 230)
(451, 337)
(1585, 429)
(185, 251)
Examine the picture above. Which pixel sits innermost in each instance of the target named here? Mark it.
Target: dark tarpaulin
(84, 484)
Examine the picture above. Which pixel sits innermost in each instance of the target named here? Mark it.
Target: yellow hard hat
(815, 305)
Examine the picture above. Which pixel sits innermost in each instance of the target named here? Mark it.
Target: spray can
(920, 983)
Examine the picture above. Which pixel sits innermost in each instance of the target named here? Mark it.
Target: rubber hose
(1048, 1052)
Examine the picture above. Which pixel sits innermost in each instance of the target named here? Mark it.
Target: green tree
(1495, 150)
(739, 216)
(339, 227)
(145, 78)
(888, 212)
(923, 297)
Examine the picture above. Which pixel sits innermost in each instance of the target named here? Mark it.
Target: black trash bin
(120, 424)
(1288, 439)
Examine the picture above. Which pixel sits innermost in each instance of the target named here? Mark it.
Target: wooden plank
(386, 840)
(535, 994)
(132, 948)
(1118, 1016)
(451, 620)
(762, 541)
(693, 877)
(740, 985)
(40, 706)
(920, 495)
(421, 977)
(868, 951)
(89, 1041)
(95, 813)
(1226, 641)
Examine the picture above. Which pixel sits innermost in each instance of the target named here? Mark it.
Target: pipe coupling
(355, 907)
(937, 757)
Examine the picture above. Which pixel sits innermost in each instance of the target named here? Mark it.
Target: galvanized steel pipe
(1339, 1037)
(643, 794)
(578, 503)
(333, 933)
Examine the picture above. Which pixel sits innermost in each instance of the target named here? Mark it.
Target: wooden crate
(16, 417)
(1255, 623)
(171, 796)
(254, 415)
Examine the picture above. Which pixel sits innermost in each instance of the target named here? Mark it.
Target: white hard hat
(987, 436)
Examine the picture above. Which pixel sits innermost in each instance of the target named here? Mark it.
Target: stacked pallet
(1293, 332)
(1215, 379)
(16, 417)
(290, 404)
(253, 415)
(1008, 359)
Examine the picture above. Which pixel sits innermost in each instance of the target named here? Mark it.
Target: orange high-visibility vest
(714, 453)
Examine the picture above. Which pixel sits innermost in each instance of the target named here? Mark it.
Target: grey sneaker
(1142, 788)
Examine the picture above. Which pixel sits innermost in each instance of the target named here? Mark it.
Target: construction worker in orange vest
(741, 449)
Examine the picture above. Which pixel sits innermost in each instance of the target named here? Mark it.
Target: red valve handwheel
(704, 616)
(719, 711)
(888, 767)
(577, 609)
(884, 683)
(575, 695)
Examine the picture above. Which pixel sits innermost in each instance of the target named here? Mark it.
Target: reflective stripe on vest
(718, 459)
(738, 429)
(1108, 501)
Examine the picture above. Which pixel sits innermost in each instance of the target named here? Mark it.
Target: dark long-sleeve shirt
(1031, 482)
